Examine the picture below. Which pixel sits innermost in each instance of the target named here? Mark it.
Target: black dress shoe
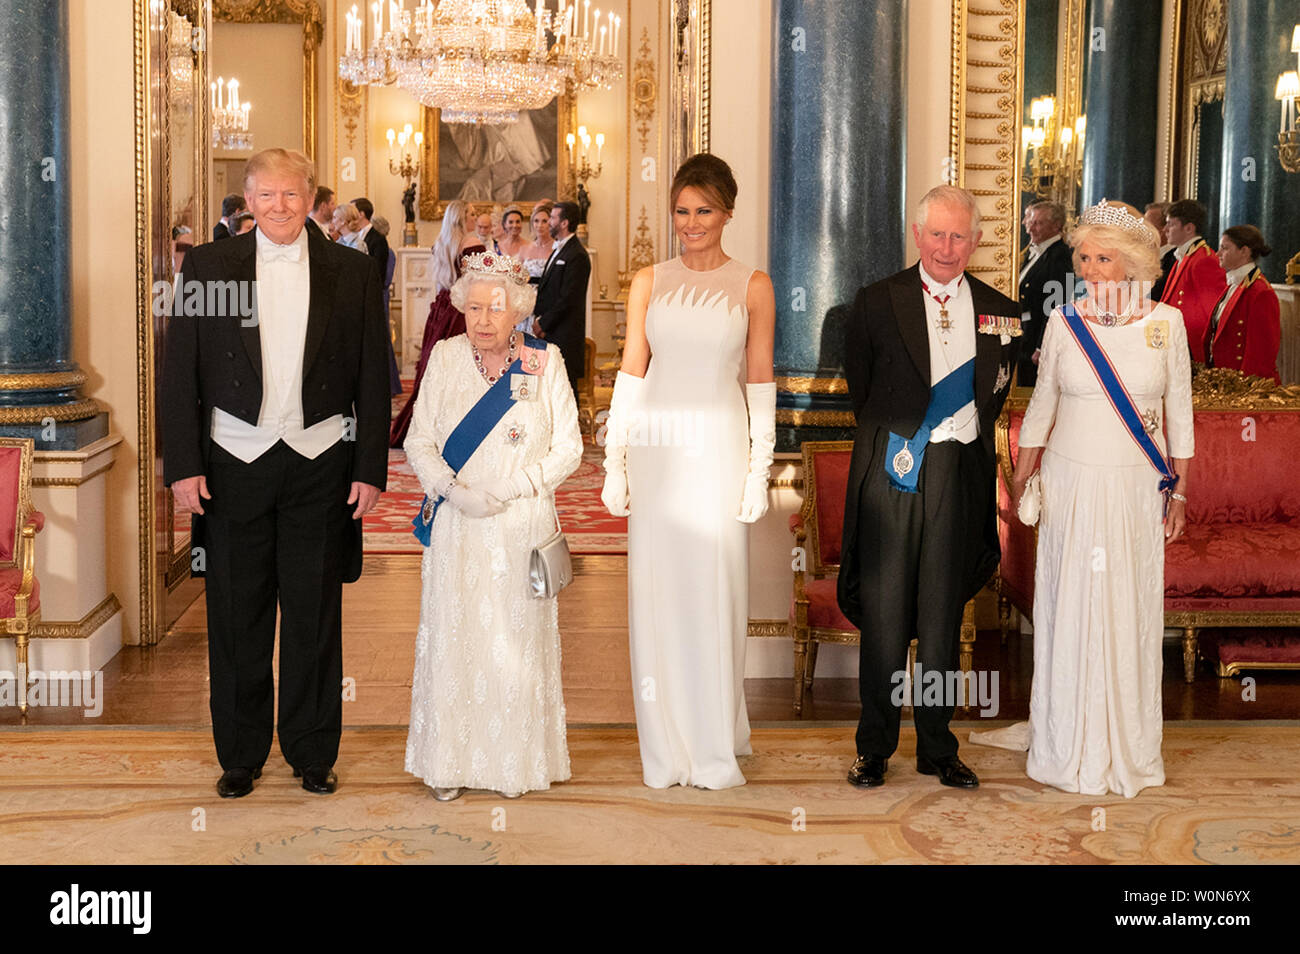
(868, 771)
(237, 782)
(951, 771)
(318, 778)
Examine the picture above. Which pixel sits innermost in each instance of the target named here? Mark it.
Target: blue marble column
(1121, 74)
(38, 380)
(839, 140)
(1256, 189)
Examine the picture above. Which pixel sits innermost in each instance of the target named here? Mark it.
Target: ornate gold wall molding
(984, 126)
(1205, 70)
(644, 91)
(83, 628)
(810, 385)
(306, 12)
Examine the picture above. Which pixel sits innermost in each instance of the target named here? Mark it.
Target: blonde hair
(448, 244)
(286, 161)
(346, 217)
(1140, 257)
(949, 195)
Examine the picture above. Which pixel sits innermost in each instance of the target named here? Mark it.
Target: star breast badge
(1004, 378)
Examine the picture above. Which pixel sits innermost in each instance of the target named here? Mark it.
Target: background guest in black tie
(369, 240)
(562, 294)
(1043, 277)
(912, 559)
(231, 206)
(322, 211)
(1156, 215)
(275, 412)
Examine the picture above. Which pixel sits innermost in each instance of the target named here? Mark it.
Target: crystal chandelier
(180, 63)
(230, 118)
(482, 61)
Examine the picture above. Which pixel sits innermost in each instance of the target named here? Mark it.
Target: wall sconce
(1288, 90)
(1052, 153)
(581, 170)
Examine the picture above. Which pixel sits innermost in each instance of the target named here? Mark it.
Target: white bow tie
(279, 253)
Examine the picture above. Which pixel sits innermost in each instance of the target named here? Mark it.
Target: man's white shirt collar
(268, 250)
(1185, 247)
(1037, 249)
(951, 288)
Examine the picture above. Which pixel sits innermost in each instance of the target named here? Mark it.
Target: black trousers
(276, 533)
(915, 555)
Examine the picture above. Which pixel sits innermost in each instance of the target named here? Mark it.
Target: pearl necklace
(1109, 319)
(510, 359)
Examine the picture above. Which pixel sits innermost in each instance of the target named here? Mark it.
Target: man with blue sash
(928, 355)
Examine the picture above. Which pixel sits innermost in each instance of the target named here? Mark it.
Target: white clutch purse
(1031, 502)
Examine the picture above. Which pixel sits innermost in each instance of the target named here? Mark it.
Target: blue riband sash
(1119, 398)
(949, 396)
(466, 437)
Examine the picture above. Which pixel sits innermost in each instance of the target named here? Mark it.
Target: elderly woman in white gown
(1095, 721)
(487, 711)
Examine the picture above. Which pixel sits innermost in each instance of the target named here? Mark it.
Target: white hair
(949, 195)
(519, 298)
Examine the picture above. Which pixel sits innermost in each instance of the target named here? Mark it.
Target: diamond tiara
(490, 263)
(1117, 215)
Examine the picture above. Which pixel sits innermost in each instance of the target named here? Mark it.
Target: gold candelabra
(407, 168)
(1052, 153)
(581, 171)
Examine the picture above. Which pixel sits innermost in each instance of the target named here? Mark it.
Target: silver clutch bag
(550, 569)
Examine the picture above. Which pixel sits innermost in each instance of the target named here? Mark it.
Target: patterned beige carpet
(147, 796)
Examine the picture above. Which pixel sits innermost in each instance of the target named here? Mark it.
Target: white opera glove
(627, 396)
(473, 502)
(761, 399)
(509, 488)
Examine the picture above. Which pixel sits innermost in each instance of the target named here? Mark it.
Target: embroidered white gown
(1095, 721)
(487, 710)
(688, 557)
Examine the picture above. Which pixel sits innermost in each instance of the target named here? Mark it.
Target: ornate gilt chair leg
(812, 664)
(967, 639)
(800, 662)
(20, 647)
(1189, 654)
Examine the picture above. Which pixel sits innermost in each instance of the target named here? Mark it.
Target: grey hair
(519, 298)
(1055, 211)
(949, 195)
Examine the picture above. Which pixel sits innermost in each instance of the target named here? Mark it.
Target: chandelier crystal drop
(482, 61)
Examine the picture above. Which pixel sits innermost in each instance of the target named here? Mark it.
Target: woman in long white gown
(487, 709)
(1095, 720)
(688, 452)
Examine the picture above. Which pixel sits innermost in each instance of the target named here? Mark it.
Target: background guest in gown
(512, 225)
(1094, 715)
(1043, 277)
(1196, 282)
(1245, 327)
(445, 319)
(487, 709)
(535, 254)
(346, 225)
(928, 356)
(692, 323)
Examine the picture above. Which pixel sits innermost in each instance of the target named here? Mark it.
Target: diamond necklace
(510, 359)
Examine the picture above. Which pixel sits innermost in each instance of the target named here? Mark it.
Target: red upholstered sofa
(815, 615)
(1238, 564)
(20, 592)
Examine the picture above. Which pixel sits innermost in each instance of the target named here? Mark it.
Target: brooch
(1151, 421)
(522, 387)
(1158, 335)
(1004, 378)
(1000, 325)
(533, 360)
(903, 461)
(426, 512)
(515, 433)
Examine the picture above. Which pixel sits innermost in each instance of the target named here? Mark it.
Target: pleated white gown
(688, 558)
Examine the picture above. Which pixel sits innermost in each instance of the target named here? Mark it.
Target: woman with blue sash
(493, 434)
(1111, 423)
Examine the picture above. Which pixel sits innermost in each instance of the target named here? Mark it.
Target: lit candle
(391, 136)
(618, 22)
(570, 139)
(600, 144)
(602, 41)
(1288, 88)
(586, 14)
(234, 93)
(379, 19)
(244, 122)
(221, 93)
(611, 32)
(419, 139)
(214, 97)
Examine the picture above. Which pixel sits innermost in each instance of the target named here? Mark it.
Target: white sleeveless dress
(688, 557)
